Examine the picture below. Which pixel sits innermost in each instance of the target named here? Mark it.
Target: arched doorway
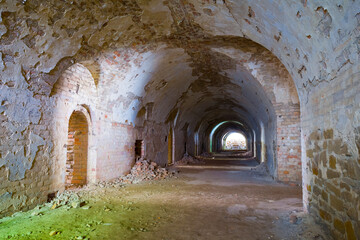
(234, 141)
(77, 150)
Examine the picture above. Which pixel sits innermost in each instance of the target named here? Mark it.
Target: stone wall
(333, 154)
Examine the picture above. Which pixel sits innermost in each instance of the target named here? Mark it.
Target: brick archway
(77, 150)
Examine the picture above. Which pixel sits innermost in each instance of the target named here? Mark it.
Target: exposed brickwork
(288, 143)
(77, 150)
(117, 153)
(139, 149)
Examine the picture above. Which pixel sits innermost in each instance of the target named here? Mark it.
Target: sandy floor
(199, 203)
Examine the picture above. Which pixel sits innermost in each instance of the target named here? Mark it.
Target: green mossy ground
(110, 216)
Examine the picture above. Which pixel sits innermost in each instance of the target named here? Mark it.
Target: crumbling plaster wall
(317, 42)
(39, 40)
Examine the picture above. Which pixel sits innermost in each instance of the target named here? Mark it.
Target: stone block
(323, 158)
(337, 235)
(339, 225)
(332, 162)
(325, 215)
(350, 233)
(324, 195)
(315, 136)
(344, 186)
(309, 153)
(316, 190)
(332, 174)
(333, 189)
(352, 213)
(336, 203)
(350, 169)
(348, 197)
(337, 146)
(329, 134)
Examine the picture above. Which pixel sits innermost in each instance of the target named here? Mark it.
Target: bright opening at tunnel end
(234, 141)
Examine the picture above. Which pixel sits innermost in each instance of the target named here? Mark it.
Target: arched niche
(77, 150)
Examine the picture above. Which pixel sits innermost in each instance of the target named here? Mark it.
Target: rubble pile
(187, 159)
(67, 198)
(143, 170)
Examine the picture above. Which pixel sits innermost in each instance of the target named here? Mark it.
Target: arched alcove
(74, 94)
(77, 150)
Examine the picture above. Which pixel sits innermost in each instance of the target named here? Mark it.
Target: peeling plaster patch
(154, 12)
(8, 199)
(5, 199)
(221, 21)
(112, 30)
(63, 48)
(19, 161)
(324, 26)
(21, 109)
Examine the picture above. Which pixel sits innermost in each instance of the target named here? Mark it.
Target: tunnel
(127, 118)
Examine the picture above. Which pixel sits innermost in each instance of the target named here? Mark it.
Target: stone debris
(67, 198)
(187, 160)
(143, 170)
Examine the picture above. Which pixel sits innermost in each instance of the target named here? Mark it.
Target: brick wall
(288, 142)
(116, 149)
(77, 150)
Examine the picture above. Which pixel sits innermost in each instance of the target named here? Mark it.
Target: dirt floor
(198, 203)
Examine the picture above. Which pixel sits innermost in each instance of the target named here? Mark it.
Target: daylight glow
(234, 141)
